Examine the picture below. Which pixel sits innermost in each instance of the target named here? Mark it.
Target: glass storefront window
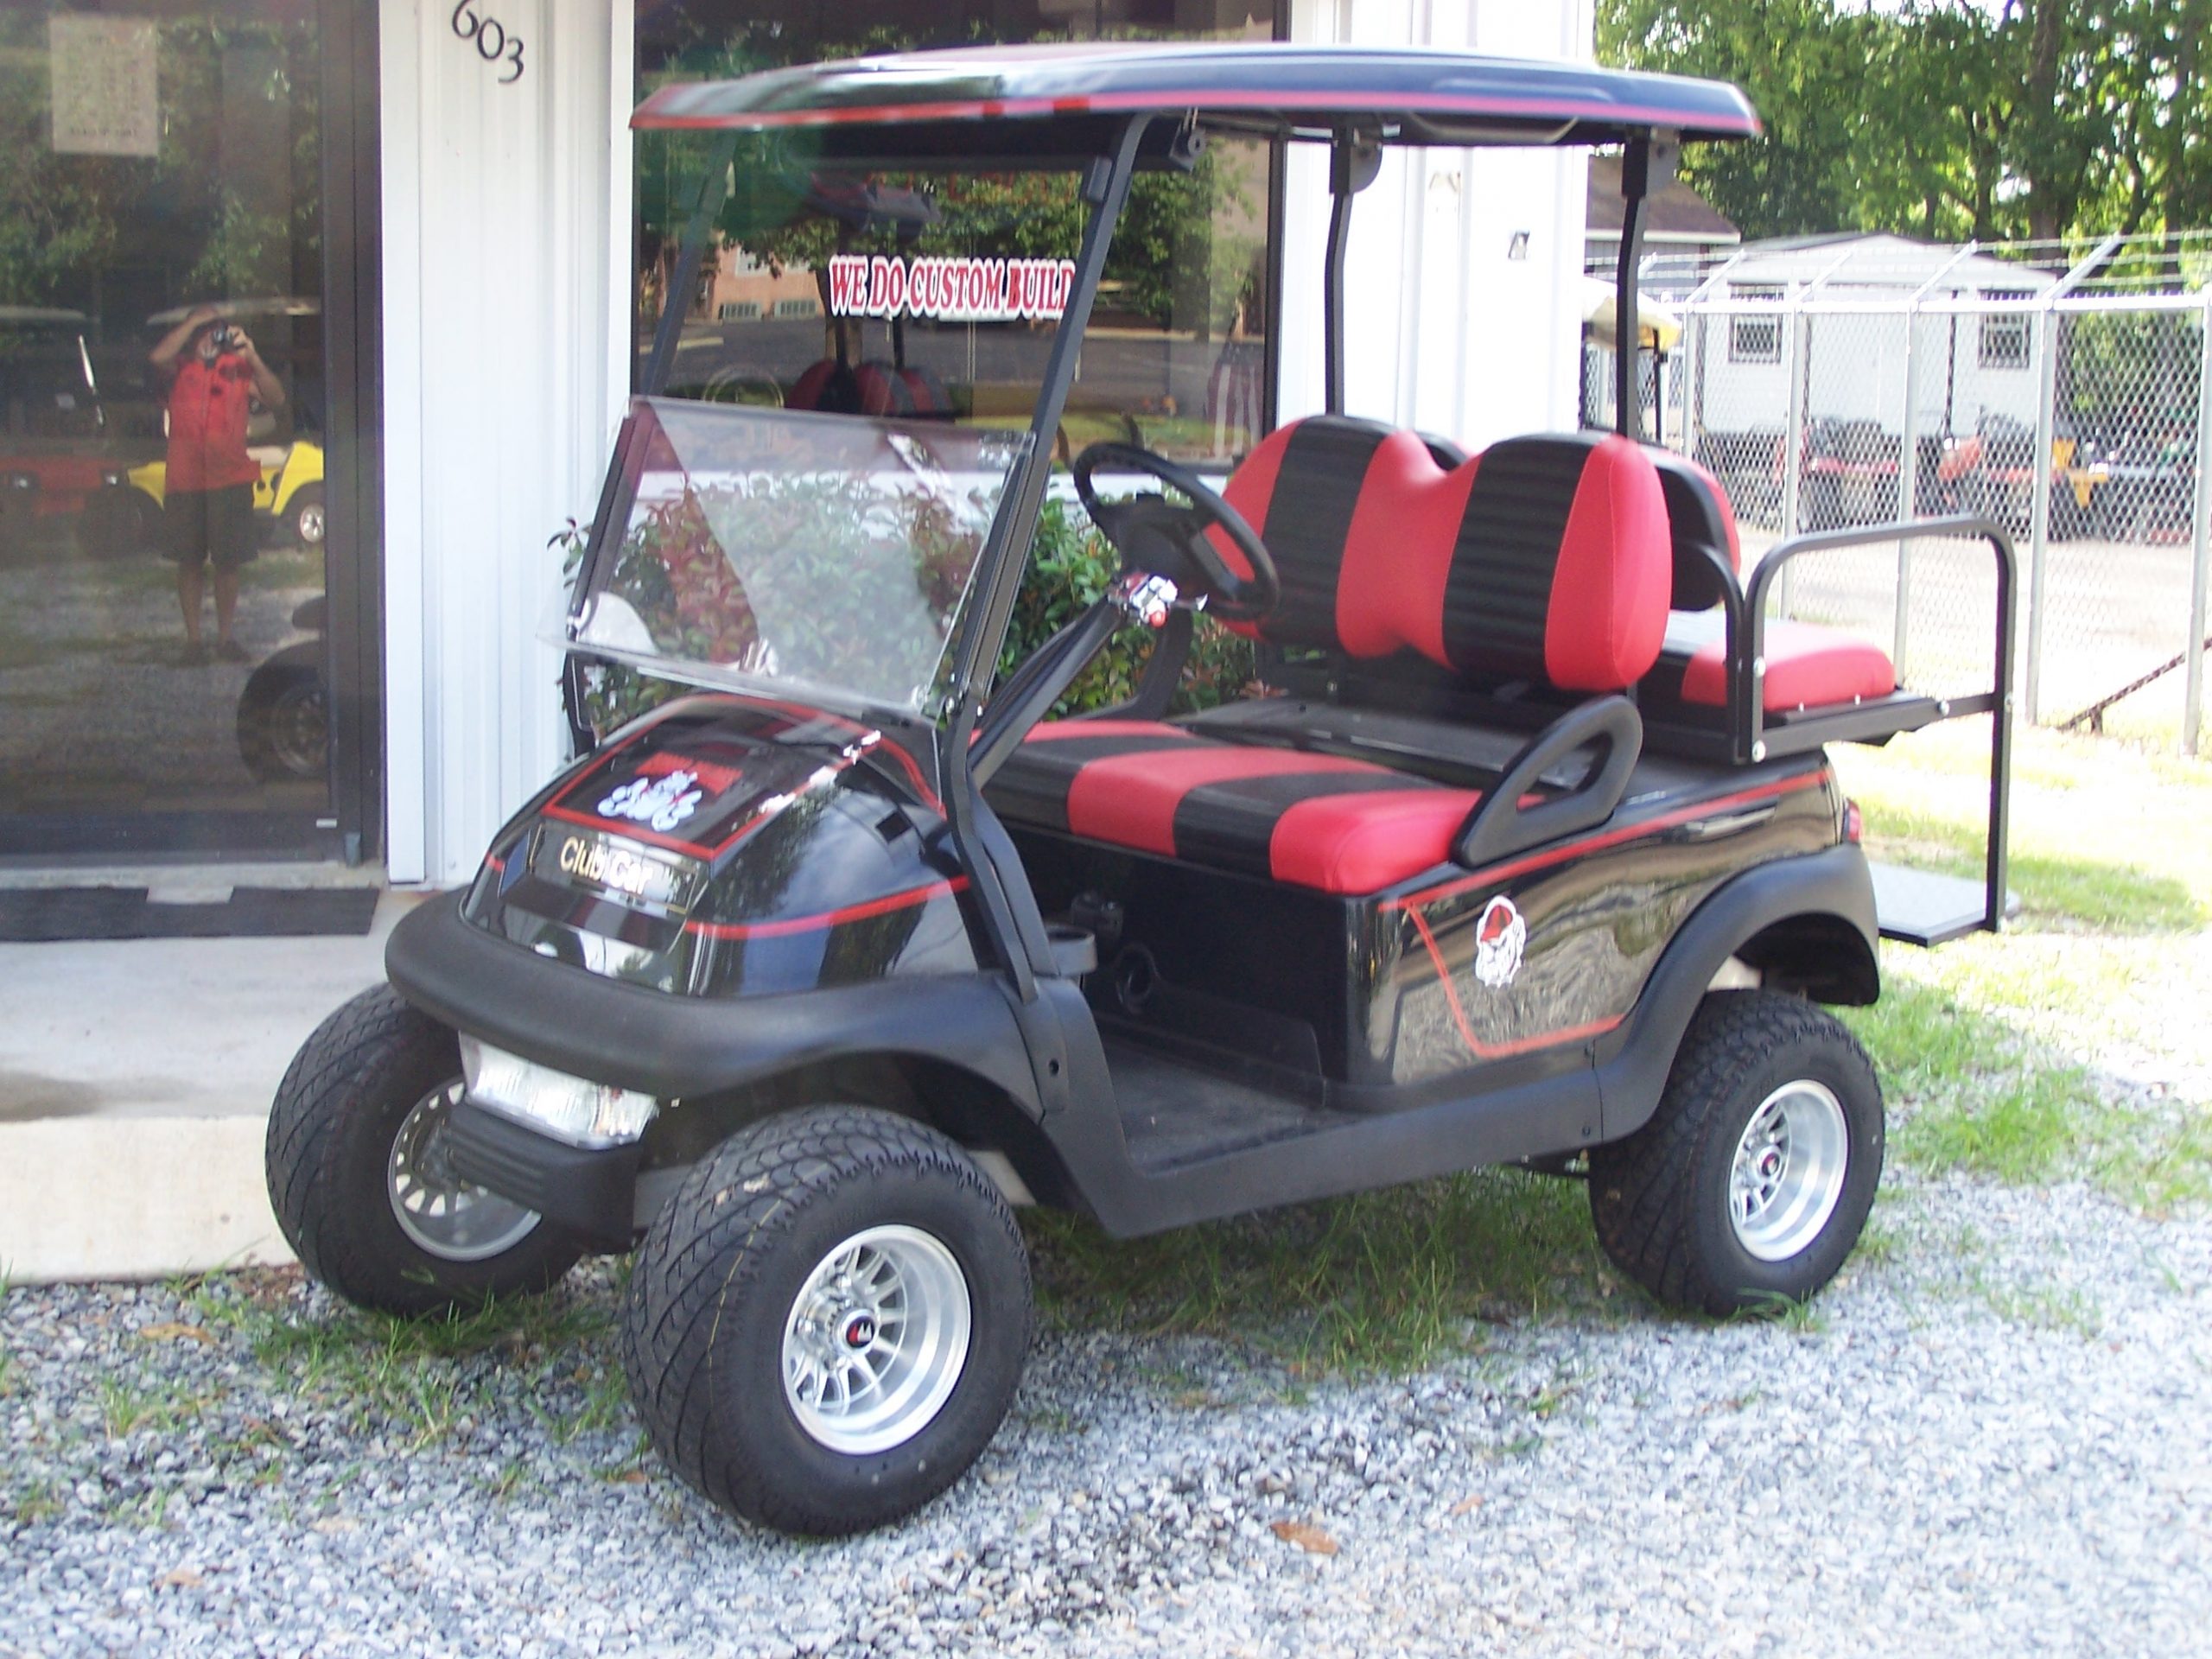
(162, 682)
(1176, 356)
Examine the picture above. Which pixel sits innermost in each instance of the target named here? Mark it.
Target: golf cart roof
(1070, 98)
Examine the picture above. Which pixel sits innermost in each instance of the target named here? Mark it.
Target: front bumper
(590, 1191)
(684, 1047)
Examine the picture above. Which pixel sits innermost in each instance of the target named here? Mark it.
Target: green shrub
(1070, 566)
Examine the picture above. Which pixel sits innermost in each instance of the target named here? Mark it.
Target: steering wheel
(1160, 538)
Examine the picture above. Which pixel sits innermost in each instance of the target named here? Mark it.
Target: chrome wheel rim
(441, 1214)
(1788, 1172)
(309, 524)
(876, 1340)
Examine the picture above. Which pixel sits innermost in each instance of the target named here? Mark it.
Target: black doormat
(43, 915)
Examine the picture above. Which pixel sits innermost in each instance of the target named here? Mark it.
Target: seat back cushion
(1300, 489)
(1545, 557)
(1561, 567)
(1698, 517)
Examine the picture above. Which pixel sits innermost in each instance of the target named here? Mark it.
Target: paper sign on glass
(106, 97)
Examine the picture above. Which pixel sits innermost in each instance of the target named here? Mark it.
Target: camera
(223, 337)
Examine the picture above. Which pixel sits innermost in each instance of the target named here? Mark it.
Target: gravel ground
(1986, 1438)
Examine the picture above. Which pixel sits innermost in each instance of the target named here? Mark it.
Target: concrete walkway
(136, 1077)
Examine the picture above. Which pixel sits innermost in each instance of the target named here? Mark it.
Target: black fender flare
(1633, 1061)
(677, 1046)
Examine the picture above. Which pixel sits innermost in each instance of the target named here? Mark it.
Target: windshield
(795, 553)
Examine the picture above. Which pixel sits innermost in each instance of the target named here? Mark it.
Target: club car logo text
(948, 290)
(1500, 937)
(584, 858)
(590, 858)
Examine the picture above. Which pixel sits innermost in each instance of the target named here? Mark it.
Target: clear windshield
(802, 554)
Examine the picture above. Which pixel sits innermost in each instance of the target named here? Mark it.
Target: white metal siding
(505, 297)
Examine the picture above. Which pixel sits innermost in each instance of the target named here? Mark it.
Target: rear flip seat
(1807, 666)
(1545, 558)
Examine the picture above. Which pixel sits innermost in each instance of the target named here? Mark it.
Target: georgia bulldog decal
(1500, 937)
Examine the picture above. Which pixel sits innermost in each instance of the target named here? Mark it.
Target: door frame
(353, 243)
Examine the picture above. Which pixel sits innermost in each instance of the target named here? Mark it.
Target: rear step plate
(1917, 908)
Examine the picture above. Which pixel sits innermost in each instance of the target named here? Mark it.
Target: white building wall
(1444, 330)
(505, 297)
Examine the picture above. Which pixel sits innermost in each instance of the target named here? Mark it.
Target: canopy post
(1353, 163)
(1646, 162)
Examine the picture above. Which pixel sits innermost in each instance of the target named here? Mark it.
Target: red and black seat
(1807, 666)
(1545, 558)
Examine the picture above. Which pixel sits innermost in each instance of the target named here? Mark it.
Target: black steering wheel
(1162, 538)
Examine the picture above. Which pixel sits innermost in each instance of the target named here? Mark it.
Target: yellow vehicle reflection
(287, 494)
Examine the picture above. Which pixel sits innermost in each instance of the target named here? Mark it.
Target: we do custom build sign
(949, 289)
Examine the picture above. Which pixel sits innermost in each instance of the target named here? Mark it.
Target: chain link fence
(2061, 390)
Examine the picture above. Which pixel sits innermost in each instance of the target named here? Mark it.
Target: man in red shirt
(209, 488)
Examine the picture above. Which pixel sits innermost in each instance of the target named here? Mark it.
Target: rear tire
(826, 1322)
(356, 1178)
(1749, 1187)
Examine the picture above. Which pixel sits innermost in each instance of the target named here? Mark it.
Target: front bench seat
(1321, 820)
(1545, 558)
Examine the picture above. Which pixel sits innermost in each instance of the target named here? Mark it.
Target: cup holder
(1074, 949)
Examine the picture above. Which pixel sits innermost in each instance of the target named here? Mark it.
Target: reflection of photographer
(209, 488)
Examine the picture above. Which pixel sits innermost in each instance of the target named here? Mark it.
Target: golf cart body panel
(726, 848)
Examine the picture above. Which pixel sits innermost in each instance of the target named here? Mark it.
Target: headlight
(574, 1110)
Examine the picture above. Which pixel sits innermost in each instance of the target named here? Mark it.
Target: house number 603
(493, 43)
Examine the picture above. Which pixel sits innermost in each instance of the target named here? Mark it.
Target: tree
(1946, 118)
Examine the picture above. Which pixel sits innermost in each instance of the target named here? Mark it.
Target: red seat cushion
(1321, 820)
(1806, 667)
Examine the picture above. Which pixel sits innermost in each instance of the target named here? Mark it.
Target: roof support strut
(1647, 163)
(1353, 162)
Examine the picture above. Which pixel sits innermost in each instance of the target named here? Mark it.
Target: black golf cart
(794, 985)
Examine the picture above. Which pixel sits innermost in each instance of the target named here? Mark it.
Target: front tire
(283, 720)
(358, 1179)
(1749, 1187)
(826, 1322)
(304, 515)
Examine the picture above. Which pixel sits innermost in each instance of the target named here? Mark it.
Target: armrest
(1501, 826)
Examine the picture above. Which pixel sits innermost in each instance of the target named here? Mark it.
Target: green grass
(36, 1501)
(127, 1407)
(2055, 889)
(419, 1378)
(1969, 1093)
(1380, 1282)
